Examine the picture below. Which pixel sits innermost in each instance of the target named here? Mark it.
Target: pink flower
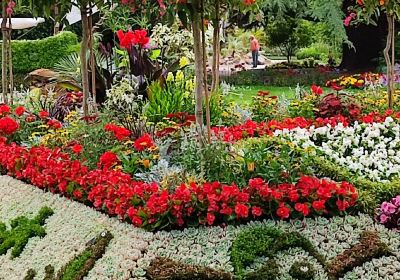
(388, 208)
(383, 218)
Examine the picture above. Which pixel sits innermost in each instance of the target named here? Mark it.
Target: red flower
(54, 124)
(256, 211)
(318, 205)
(77, 148)
(108, 159)
(8, 126)
(283, 212)
(302, 208)
(30, 118)
(19, 111)
(141, 38)
(121, 133)
(132, 38)
(241, 210)
(342, 205)
(294, 196)
(77, 194)
(210, 219)
(4, 110)
(44, 114)
(317, 90)
(336, 87)
(143, 143)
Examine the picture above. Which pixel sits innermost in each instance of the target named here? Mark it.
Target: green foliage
(269, 271)
(22, 229)
(209, 161)
(80, 266)
(285, 162)
(267, 242)
(289, 34)
(302, 271)
(164, 99)
(29, 55)
(317, 51)
(76, 265)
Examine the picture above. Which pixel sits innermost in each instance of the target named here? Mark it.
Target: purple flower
(383, 218)
(388, 208)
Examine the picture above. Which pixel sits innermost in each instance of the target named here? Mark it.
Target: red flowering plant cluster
(338, 104)
(173, 123)
(8, 125)
(150, 206)
(119, 132)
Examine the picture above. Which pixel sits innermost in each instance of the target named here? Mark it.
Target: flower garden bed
(272, 197)
(132, 252)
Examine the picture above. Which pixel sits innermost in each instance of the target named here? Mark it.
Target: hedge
(29, 55)
(280, 77)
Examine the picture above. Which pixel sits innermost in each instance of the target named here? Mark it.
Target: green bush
(317, 51)
(29, 55)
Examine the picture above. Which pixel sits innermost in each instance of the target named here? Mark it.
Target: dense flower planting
(148, 205)
(368, 149)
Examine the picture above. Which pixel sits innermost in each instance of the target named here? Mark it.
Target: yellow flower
(170, 77)
(179, 76)
(183, 62)
(225, 114)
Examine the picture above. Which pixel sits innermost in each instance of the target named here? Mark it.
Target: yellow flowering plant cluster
(353, 81)
(305, 107)
(376, 101)
(264, 106)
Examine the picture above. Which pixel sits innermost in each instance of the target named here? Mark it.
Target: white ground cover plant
(72, 225)
(368, 150)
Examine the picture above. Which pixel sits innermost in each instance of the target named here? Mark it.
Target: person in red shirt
(255, 48)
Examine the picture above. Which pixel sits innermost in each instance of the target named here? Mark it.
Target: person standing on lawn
(255, 48)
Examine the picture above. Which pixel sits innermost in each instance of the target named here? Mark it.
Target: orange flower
(146, 163)
(381, 2)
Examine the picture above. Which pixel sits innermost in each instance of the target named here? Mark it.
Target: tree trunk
(205, 59)
(84, 60)
(216, 49)
(56, 22)
(10, 62)
(389, 58)
(4, 71)
(198, 64)
(92, 58)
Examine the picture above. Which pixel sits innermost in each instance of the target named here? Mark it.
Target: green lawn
(245, 94)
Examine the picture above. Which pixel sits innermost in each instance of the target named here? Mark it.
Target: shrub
(267, 242)
(29, 55)
(317, 51)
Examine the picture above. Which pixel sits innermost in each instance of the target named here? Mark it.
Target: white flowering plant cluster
(130, 252)
(368, 150)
